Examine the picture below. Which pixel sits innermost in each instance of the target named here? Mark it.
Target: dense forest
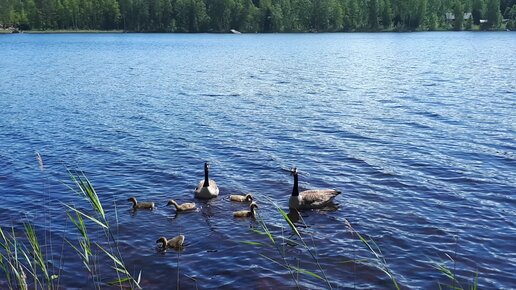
(257, 15)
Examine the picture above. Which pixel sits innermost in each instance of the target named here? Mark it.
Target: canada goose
(247, 213)
(207, 188)
(309, 199)
(241, 198)
(182, 207)
(175, 242)
(141, 205)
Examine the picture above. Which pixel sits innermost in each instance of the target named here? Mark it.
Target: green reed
(452, 277)
(280, 243)
(85, 189)
(25, 264)
(379, 259)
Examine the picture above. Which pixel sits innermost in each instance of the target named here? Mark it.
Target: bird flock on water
(207, 189)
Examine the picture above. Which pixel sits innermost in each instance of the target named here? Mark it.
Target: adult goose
(207, 187)
(309, 199)
(141, 205)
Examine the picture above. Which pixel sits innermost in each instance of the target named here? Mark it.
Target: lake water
(418, 130)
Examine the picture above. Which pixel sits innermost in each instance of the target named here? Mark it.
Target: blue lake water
(418, 130)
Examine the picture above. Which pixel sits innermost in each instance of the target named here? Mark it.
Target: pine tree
(493, 14)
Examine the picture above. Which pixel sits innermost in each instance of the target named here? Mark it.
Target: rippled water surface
(417, 130)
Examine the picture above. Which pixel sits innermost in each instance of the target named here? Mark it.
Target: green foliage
(493, 15)
(25, 266)
(454, 282)
(84, 188)
(280, 241)
(191, 15)
(386, 8)
(409, 14)
(477, 11)
(373, 13)
(511, 15)
(379, 258)
(244, 15)
(25, 263)
(458, 11)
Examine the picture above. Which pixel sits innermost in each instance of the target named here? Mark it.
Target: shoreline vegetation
(255, 16)
(118, 31)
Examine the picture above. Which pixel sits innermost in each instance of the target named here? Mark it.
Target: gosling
(174, 243)
(241, 198)
(182, 207)
(247, 213)
(141, 205)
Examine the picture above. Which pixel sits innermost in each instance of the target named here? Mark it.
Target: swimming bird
(207, 188)
(241, 198)
(141, 205)
(247, 213)
(309, 199)
(175, 242)
(182, 207)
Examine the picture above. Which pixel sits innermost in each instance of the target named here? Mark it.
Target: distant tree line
(256, 15)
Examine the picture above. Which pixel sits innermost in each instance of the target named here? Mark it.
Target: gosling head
(252, 209)
(248, 197)
(132, 199)
(163, 242)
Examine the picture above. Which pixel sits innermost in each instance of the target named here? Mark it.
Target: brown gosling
(241, 198)
(247, 213)
(174, 243)
(141, 205)
(182, 207)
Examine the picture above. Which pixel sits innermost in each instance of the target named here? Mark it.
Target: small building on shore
(451, 17)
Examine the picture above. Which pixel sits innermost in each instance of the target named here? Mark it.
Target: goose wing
(199, 186)
(235, 197)
(145, 205)
(317, 197)
(188, 206)
(213, 188)
(213, 184)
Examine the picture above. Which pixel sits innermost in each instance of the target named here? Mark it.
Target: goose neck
(206, 178)
(295, 189)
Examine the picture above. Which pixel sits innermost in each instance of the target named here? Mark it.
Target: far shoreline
(82, 31)
(70, 31)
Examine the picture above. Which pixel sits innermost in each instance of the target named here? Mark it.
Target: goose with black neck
(207, 188)
(309, 199)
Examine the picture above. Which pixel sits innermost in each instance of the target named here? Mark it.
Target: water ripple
(424, 153)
